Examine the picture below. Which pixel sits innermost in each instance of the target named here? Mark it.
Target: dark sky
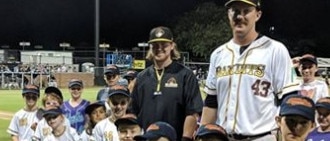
(124, 23)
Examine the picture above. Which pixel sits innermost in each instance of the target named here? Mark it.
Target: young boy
(211, 132)
(128, 127)
(323, 117)
(20, 125)
(296, 118)
(158, 131)
(74, 108)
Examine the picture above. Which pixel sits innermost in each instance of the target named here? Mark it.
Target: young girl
(95, 112)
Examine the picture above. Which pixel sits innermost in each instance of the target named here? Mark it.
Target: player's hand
(296, 61)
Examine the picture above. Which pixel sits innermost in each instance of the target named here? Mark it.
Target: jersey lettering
(260, 88)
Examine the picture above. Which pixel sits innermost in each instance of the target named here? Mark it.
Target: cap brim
(30, 91)
(322, 105)
(308, 60)
(75, 84)
(126, 121)
(118, 93)
(297, 111)
(245, 1)
(146, 136)
(160, 40)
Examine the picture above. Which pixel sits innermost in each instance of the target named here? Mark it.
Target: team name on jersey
(250, 69)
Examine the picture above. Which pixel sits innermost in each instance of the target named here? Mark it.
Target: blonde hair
(175, 54)
(51, 96)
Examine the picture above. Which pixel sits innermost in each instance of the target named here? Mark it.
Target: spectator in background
(111, 77)
(22, 121)
(74, 108)
(321, 133)
(158, 131)
(130, 76)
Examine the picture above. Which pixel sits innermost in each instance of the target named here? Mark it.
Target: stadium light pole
(64, 45)
(104, 46)
(24, 44)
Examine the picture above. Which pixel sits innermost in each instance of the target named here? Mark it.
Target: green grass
(12, 101)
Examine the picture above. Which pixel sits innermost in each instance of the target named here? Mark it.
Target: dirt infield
(6, 115)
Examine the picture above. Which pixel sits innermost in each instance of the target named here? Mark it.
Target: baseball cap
(323, 102)
(130, 74)
(92, 106)
(159, 34)
(118, 90)
(29, 88)
(128, 119)
(111, 70)
(54, 111)
(157, 130)
(54, 90)
(75, 82)
(211, 129)
(255, 3)
(298, 105)
(308, 58)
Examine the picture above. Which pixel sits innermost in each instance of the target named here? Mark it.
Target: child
(158, 131)
(96, 112)
(323, 117)
(296, 117)
(21, 125)
(74, 108)
(211, 132)
(128, 127)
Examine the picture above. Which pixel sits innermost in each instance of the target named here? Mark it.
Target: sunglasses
(78, 89)
(50, 117)
(115, 103)
(109, 77)
(33, 97)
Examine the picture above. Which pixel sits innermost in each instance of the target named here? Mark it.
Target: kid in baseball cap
(211, 132)
(296, 117)
(158, 130)
(323, 118)
(128, 127)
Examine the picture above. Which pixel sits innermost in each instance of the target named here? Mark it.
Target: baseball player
(245, 74)
(20, 125)
(74, 108)
(167, 91)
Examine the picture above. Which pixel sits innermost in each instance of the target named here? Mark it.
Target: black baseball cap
(118, 90)
(111, 70)
(33, 89)
(127, 119)
(89, 109)
(160, 34)
(55, 111)
(76, 82)
(323, 102)
(130, 74)
(255, 3)
(157, 130)
(298, 105)
(54, 90)
(211, 129)
(308, 58)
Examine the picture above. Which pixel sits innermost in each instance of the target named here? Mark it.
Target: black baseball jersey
(178, 96)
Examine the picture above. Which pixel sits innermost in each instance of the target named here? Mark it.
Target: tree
(203, 29)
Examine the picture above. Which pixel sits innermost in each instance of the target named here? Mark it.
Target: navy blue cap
(54, 90)
(33, 89)
(323, 103)
(55, 111)
(298, 105)
(127, 119)
(111, 70)
(157, 130)
(92, 106)
(308, 58)
(76, 82)
(118, 90)
(211, 129)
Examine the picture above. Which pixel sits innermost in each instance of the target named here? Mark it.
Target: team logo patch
(171, 83)
(216, 128)
(108, 135)
(299, 101)
(159, 32)
(22, 122)
(153, 127)
(46, 131)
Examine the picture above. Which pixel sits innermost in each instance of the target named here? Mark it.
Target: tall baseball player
(21, 123)
(244, 75)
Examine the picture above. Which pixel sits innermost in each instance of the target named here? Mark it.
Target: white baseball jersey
(245, 84)
(70, 134)
(43, 129)
(85, 137)
(105, 130)
(20, 124)
(314, 90)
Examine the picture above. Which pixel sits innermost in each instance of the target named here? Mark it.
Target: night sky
(124, 23)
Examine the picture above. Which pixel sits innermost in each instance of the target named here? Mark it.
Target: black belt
(242, 137)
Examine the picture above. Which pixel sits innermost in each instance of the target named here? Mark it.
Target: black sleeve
(211, 101)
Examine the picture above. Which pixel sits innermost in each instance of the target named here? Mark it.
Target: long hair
(175, 54)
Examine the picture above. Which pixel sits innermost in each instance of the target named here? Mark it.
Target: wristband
(186, 139)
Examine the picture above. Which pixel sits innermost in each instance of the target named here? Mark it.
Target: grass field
(12, 101)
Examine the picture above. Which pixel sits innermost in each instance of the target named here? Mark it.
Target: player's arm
(209, 114)
(14, 138)
(189, 127)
